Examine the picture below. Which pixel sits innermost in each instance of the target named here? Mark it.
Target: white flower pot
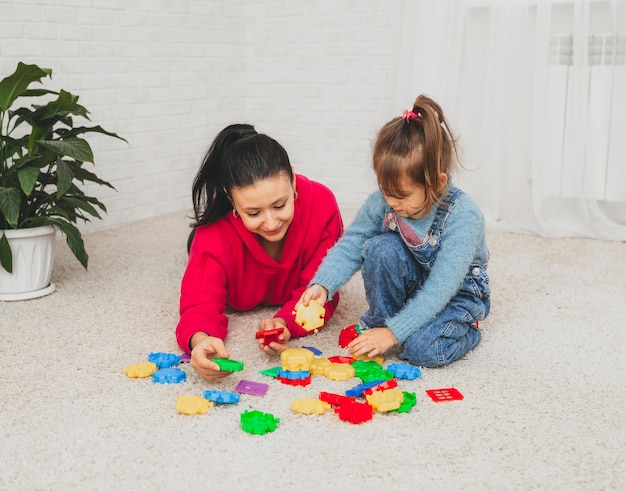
(33, 257)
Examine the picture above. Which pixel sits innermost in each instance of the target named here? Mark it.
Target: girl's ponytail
(210, 201)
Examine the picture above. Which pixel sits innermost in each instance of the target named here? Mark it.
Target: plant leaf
(74, 241)
(93, 129)
(65, 104)
(65, 176)
(28, 178)
(83, 175)
(10, 205)
(16, 84)
(75, 148)
(6, 256)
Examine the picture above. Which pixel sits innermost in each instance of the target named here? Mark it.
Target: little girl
(420, 243)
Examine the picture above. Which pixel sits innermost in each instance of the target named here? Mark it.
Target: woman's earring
(235, 213)
(295, 195)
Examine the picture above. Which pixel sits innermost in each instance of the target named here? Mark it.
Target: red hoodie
(228, 266)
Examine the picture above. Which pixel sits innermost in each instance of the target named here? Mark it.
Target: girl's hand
(206, 347)
(314, 292)
(372, 342)
(283, 338)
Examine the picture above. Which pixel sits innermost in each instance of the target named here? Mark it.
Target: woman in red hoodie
(261, 231)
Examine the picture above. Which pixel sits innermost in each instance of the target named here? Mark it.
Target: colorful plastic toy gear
(296, 359)
(270, 335)
(253, 388)
(169, 376)
(335, 399)
(164, 360)
(314, 350)
(299, 375)
(386, 400)
(258, 423)
(140, 370)
(228, 365)
(318, 365)
(221, 396)
(310, 317)
(359, 389)
(271, 372)
(376, 359)
(404, 371)
(408, 403)
(342, 359)
(369, 371)
(355, 412)
(386, 385)
(310, 406)
(193, 405)
(348, 334)
(302, 382)
(444, 395)
(339, 371)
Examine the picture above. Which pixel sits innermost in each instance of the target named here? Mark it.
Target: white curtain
(536, 90)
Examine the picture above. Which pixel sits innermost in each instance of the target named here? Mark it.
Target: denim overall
(395, 267)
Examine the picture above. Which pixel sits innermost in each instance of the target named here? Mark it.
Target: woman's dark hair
(238, 157)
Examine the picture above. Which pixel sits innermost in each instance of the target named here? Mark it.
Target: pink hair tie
(408, 115)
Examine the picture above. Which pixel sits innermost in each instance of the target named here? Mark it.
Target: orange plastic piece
(140, 370)
(310, 406)
(296, 359)
(385, 400)
(193, 405)
(310, 317)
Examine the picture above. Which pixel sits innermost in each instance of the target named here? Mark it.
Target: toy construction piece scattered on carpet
(378, 391)
(310, 317)
(348, 334)
(270, 335)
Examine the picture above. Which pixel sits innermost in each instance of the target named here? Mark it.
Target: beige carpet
(544, 404)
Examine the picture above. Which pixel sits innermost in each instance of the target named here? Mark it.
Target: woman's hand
(283, 338)
(314, 292)
(204, 349)
(372, 342)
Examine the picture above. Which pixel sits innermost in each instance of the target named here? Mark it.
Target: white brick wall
(317, 76)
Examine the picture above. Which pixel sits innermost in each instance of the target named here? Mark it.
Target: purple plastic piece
(253, 388)
(185, 358)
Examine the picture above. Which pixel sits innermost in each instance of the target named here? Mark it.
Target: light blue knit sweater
(462, 244)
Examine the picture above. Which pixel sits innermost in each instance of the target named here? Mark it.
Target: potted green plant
(42, 157)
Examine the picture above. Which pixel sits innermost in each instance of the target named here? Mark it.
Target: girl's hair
(418, 146)
(238, 157)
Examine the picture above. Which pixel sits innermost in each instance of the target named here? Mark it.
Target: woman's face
(266, 207)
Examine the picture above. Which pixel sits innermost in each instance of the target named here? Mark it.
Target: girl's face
(266, 207)
(411, 202)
